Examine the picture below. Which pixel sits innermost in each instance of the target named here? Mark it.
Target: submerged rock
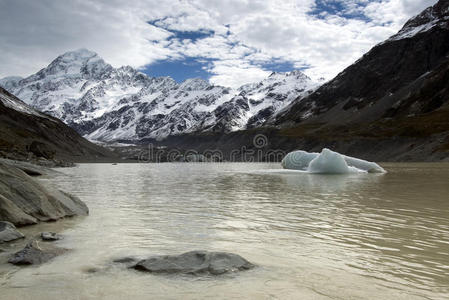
(25, 201)
(91, 270)
(328, 162)
(50, 236)
(128, 262)
(36, 253)
(194, 262)
(8, 232)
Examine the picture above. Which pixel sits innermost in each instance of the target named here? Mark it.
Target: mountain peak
(81, 53)
(296, 73)
(194, 84)
(437, 15)
(80, 61)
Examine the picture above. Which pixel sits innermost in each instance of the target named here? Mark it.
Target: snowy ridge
(274, 93)
(16, 104)
(106, 104)
(437, 15)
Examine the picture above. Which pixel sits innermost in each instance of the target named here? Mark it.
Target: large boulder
(29, 168)
(194, 262)
(25, 201)
(8, 232)
(36, 253)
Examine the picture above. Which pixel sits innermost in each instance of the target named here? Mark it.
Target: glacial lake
(359, 236)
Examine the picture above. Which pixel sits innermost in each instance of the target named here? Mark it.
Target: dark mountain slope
(380, 84)
(28, 134)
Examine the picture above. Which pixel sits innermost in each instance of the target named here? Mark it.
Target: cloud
(235, 74)
(395, 12)
(243, 36)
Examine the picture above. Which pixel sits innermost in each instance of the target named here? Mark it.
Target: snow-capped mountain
(105, 103)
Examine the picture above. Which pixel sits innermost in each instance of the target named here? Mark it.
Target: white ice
(328, 162)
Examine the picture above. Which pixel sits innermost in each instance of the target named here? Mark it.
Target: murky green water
(313, 236)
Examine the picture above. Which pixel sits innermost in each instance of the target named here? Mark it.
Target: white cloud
(247, 33)
(233, 73)
(32, 33)
(396, 12)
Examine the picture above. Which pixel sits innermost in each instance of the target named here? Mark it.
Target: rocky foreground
(26, 201)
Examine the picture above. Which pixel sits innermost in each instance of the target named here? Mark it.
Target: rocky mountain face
(391, 81)
(107, 104)
(27, 134)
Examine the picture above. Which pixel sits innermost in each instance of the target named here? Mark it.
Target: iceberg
(328, 162)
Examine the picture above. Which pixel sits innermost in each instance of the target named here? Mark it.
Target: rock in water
(25, 201)
(194, 262)
(8, 232)
(36, 253)
(50, 236)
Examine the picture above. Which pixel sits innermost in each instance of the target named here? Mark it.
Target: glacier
(328, 162)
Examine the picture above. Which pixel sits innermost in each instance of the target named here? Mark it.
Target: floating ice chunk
(298, 160)
(328, 162)
(364, 165)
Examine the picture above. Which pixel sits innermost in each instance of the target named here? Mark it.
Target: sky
(228, 42)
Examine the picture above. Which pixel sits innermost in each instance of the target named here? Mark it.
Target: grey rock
(50, 236)
(8, 232)
(195, 263)
(25, 201)
(92, 270)
(29, 168)
(36, 253)
(127, 261)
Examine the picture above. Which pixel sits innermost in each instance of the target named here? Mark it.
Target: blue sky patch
(191, 35)
(341, 8)
(183, 35)
(285, 66)
(180, 70)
